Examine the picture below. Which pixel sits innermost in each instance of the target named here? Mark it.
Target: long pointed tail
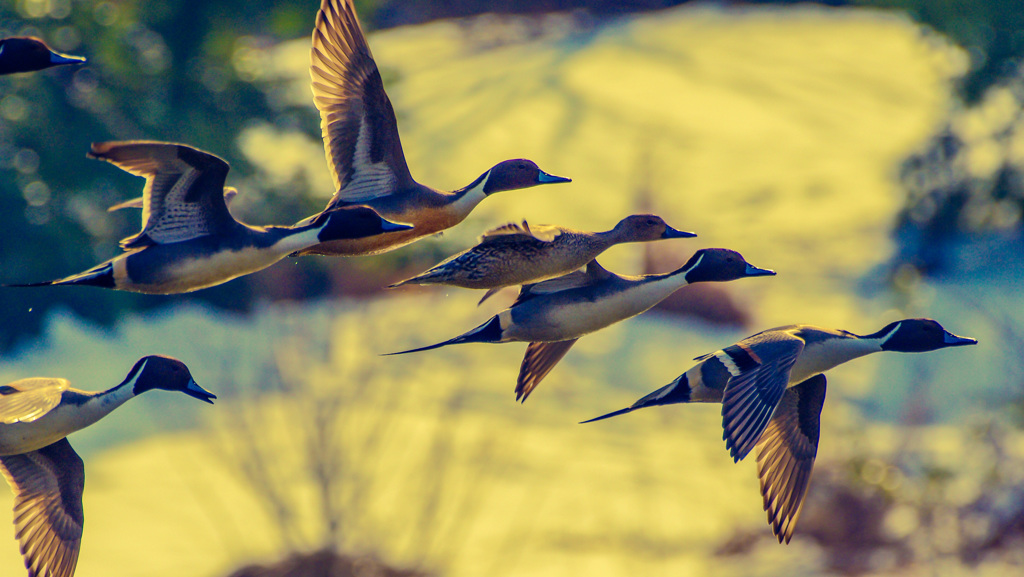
(678, 391)
(427, 277)
(100, 276)
(28, 284)
(608, 416)
(489, 332)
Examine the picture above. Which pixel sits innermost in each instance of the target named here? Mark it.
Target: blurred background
(870, 151)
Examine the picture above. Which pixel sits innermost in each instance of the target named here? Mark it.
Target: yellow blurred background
(774, 132)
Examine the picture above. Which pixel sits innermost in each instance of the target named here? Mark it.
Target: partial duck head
(166, 373)
(27, 54)
(646, 227)
(719, 265)
(353, 222)
(918, 336)
(516, 174)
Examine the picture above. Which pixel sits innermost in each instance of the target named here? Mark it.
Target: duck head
(516, 174)
(647, 227)
(919, 336)
(355, 222)
(26, 54)
(719, 265)
(167, 373)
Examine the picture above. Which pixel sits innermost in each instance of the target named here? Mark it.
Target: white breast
(829, 354)
(573, 320)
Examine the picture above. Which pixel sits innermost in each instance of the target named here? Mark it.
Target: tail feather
(99, 276)
(608, 416)
(427, 277)
(678, 391)
(489, 332)
(29, 284)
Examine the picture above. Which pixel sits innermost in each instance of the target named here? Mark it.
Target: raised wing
(543, 233)
(48, 515)
(26, 400)
(539, 360)
(230, 193)
(184, 194)
(358, 123)
(751, 395)
(786, 452)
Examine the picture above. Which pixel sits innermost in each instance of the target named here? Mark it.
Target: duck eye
(521, 166)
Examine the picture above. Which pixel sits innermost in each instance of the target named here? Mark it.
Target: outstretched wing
(48, 515)
(184, 194)
(358, 123)
(26, 400)
(539, 360)
(753, 392)
(786, 452)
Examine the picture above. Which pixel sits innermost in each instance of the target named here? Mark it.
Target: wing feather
(540, 358)
(48, 515)
(184, 194)
(786, 453)
(358, 123)
(26, 400)
(750, 397)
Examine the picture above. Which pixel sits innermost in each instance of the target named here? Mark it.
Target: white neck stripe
(135, 379)
(887, 336)
(695, 265)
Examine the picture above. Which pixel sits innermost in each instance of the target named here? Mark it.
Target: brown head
(167, 373)
(719, 265)
(644, 228)
(516, 174)
(918, 336)
(26, 54)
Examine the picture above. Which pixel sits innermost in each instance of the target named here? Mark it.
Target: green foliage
(992, 31)
(189, 72)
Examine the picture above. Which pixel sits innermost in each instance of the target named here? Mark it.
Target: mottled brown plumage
(516, 254)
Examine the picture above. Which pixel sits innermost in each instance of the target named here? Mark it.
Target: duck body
(517, 254)
(189, 240)
(822, 349)
(363, 149)
(553, 314)
(772, 389)
(28, 54)
(573, 313)
(195, 264)
(43, 470)
(427, 210)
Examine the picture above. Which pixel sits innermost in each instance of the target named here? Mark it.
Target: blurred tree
(992, 31)
(198, 73)
(177, 71)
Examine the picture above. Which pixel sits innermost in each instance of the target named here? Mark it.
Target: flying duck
(45, 474)
(517, 254)
(189, 240)
(772, 390)
(363, 149)
(27, 54)
(554, 314)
